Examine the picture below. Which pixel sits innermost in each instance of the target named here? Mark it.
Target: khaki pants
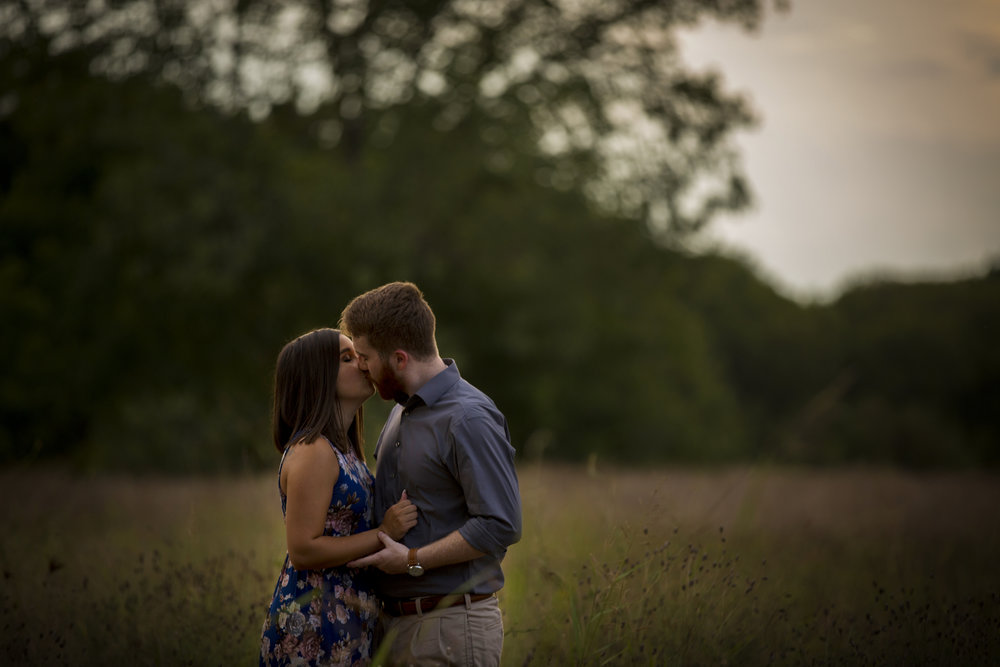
(468, 635)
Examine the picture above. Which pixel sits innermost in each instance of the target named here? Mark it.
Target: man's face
(378, 371)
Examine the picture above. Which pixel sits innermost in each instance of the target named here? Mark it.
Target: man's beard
(389, 388)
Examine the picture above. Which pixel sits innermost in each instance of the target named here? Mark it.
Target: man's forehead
(361, 345)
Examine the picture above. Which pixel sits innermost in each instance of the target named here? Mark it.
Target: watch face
(415, 570)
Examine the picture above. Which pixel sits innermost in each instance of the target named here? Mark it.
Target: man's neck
(420, 372)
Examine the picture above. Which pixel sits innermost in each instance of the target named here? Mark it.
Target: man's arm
(484, 467)
(451, 548)
(483, 464)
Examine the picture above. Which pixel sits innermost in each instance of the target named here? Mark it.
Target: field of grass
(677, 567)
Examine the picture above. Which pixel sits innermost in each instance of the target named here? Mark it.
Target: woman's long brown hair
(306, 404)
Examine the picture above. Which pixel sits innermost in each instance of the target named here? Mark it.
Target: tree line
(156, 252)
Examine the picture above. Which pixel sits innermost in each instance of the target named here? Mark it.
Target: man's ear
(400, 359)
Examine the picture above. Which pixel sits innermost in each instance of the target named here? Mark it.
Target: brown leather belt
(397, 607)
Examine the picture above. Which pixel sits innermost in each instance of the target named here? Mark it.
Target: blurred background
(186, 185)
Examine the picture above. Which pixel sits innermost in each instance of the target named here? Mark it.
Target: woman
(323, 612)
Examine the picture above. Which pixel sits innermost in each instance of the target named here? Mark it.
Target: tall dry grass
(739, 566)
(756, 566)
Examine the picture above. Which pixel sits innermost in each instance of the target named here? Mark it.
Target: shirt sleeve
(484, 465)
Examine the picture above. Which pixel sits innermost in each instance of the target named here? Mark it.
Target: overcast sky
(879, 148)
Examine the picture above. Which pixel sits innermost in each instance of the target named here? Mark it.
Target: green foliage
(924, 373)
(129, 247)
(155, 255)
(577, 79)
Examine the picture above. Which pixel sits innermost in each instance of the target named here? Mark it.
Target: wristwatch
(413, 566)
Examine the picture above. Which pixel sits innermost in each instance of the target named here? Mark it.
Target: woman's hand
(399, 518)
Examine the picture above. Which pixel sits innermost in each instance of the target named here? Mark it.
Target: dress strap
(281, 464)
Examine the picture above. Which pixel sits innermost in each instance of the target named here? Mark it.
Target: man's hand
(391, 559)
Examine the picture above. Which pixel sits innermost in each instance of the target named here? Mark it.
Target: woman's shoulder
(312, 461)
(317, 450)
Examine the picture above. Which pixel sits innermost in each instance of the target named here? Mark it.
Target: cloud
(915, 68)
(984, 49)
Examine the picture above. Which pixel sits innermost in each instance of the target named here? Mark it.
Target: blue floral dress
(326, 617)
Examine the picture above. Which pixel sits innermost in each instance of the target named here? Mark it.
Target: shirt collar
(435, 388)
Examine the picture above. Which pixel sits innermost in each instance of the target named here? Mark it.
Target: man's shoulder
(472, 396)
(468, 419)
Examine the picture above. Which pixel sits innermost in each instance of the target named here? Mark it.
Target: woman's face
(352, 384)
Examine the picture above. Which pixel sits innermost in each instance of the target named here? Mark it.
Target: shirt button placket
(395, 475)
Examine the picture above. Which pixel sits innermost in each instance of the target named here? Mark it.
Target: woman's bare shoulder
(311, 452)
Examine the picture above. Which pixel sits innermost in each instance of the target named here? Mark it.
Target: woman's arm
(393, 559)
(310, 472)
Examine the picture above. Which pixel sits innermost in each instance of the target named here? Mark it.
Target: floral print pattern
(326, 617)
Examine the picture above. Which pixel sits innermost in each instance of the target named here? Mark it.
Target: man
(448, 447)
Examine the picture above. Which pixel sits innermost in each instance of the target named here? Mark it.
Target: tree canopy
(158, 246)
(599, 86)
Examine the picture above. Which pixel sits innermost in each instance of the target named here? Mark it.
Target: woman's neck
(347, 413)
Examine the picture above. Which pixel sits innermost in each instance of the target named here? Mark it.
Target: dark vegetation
(157, 247)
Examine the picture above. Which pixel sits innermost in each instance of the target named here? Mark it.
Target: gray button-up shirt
(449, 447)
